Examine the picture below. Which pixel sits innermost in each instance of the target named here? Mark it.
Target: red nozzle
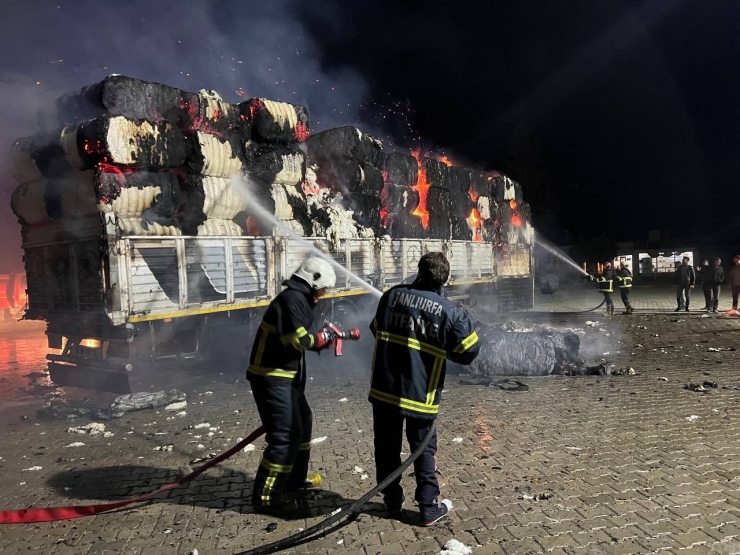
(354, 334)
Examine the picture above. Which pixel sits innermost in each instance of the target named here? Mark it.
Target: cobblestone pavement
(629, 464)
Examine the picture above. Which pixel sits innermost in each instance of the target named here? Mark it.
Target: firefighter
(416, 331)
(605, 280)
(624, 280)
(277, 373)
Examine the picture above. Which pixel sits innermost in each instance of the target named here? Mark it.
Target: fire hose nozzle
(353, 334)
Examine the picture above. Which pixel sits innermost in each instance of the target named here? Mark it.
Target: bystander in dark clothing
(734, 281)
(685, 280)
(716, 277)
(703, 277)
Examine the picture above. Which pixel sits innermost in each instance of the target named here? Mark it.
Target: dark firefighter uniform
(624, 281)
(605, 282)
(416, 331)
(277, 373)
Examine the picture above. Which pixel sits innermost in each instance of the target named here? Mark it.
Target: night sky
(623, 116)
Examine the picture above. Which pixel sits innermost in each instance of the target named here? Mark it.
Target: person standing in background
(685, 280)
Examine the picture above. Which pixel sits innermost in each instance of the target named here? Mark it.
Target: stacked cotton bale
(113, 163)
(160, 160)
(346, 161)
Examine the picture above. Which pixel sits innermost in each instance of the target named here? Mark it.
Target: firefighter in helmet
(277, 374)
(624, 281)
(605, 280)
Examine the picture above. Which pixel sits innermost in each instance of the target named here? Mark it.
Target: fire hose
(50, 514)
(346, 511)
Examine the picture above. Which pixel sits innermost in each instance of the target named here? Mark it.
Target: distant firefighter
(605, 281)
(624, 280)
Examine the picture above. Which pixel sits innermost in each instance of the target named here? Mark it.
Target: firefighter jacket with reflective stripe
(283, 334)
(624, 278)
(416, 331)
(606, 281)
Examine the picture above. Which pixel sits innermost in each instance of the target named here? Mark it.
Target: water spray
(561, 255)
(262, 213)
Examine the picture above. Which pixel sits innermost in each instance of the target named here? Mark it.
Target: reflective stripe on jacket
(416, 331)
(606, 282)
(282, 335)
(624, 278)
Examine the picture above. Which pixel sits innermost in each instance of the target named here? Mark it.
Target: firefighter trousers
(608, 298)
(288, 422)
(625, 293)
(388, 432)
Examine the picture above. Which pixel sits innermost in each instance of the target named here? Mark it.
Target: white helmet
(317, 273)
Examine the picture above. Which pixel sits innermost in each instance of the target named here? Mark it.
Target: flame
(516, 220)
(301, 132)
(474, 220)
(473, 195)
(422, 187)
(444, 159)
(384, 217)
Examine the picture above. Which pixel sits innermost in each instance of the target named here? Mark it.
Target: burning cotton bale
(350, 178)
(505, 189)
(332, 220)
(343, 144)
(439, 203)
(144, 203)
(206, 111)
(366, 210)
(399, 169)
(275, 164)
(277, 122)
(213, 156)
(122, 141)
(398, 204)
(119, 95)
(542, 352)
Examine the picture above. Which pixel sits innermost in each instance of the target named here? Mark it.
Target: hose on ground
(346, 511)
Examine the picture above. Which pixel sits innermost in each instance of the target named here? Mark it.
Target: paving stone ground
(630, 464)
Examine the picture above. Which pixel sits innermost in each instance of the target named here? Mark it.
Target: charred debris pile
(157, 160)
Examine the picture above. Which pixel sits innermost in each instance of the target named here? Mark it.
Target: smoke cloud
(241, 49)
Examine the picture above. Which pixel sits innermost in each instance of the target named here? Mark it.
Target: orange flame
(475, 220)
(516, 220)
(422, 187)
(444, 159)
(473, 195)
(513, 204)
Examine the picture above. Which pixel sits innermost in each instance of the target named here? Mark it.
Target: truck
(117, 296)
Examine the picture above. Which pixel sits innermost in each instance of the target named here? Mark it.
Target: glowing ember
(384, 217)
(473, 195)
(513, 204)
(301, 132)
(422, 187)
(474, 221)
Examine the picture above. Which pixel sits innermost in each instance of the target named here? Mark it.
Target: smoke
(241, 49)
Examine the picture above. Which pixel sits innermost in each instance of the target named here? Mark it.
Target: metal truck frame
(112, 302)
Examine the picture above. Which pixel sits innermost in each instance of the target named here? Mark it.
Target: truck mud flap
(90, 377)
